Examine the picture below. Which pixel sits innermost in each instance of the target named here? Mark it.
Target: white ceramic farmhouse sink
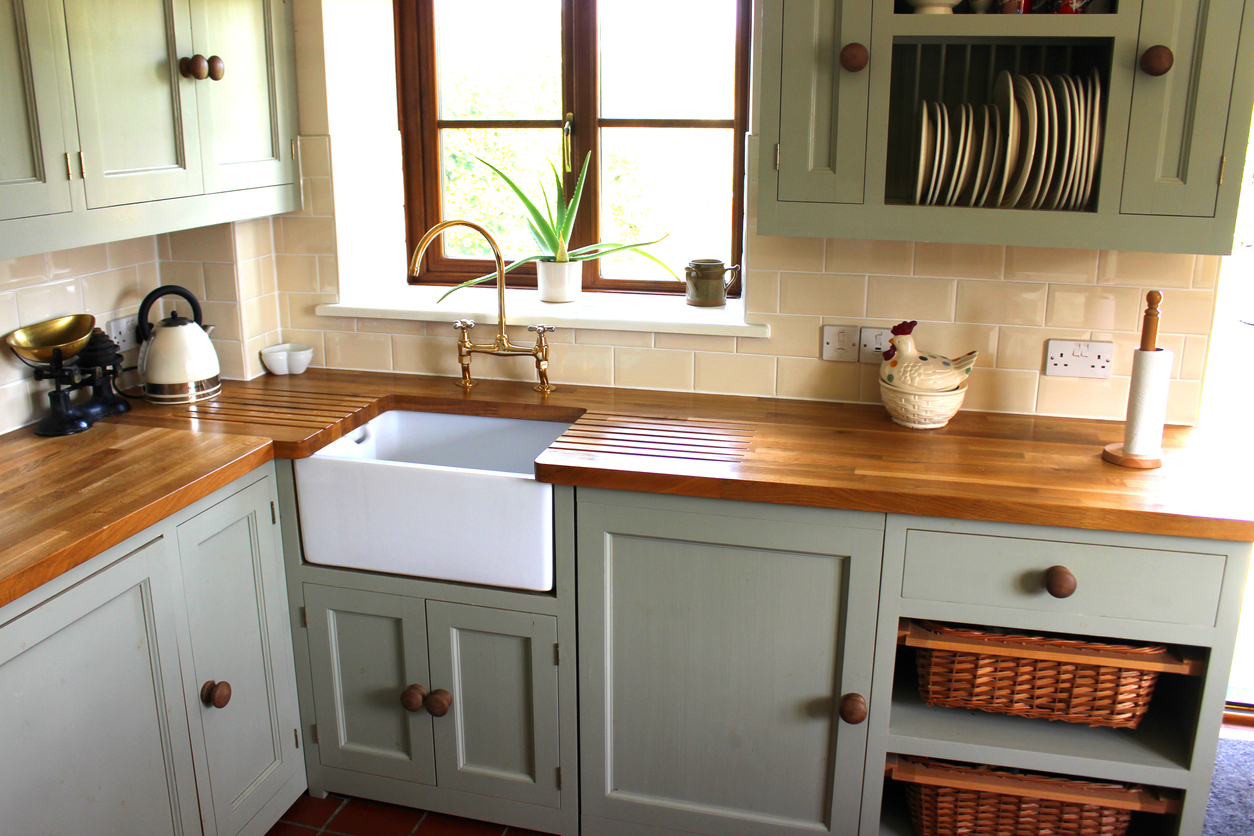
(433, 495)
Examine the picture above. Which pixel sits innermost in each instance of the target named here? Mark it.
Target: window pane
(473, 192)
(499, 60)
(660, 180)
(662, 59)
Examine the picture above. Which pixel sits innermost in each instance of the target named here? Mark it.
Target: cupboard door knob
(215, 68)
(412, 697)
(438, 702)
(854, 57)
(853, 708)
(1059, 582)
(1157, 60)
(215, 694)
(195, 68)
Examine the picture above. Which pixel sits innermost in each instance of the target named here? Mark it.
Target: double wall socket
(1078, 358)
(840, 342)
(122, 332)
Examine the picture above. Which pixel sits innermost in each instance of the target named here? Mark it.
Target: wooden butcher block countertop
(64, 500)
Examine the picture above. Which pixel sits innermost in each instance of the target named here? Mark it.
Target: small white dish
(287, 358)
(960, 156)
(1095, 135)
(981, 144)
(1062, 174)
(990, 194)
(1025, 101)
(1004, 101)
(1046, 142)
(927, 148)
(940, 169)
(1080, 152)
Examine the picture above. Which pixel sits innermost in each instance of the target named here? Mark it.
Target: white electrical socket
(840, 342)
(872, 344)
(122, 332)
(1078, 358)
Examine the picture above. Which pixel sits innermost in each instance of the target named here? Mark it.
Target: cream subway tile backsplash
(845, 255)
(633, 339)
(518, 334)
(791, 336)
(1146, 269)
(209, 243)
(814, 379)
(1193, 363)
(1043, 264)
(772, 253)
(220, 284)
(253, 367)
(1025, 348)
(11, 369)
(645, 368)
(328, 274)
(502, 368)
(253, 239)
(225, 319)
(319, 196)
(1184, 311)
(35, 304)
(735, 374)
(256, 277)
(1105, 308)
(1206, 271)
(409, 327)
(297, 273)
(300, 313)
(190, 275)
(112, 290)
(148, 275)
(1001, 303)
(131, 252)
(694, 342)
(953, 339)
(417, 355)
(761, 291)
(372, 352)
(906, 297)
(834, 295)
(1184, 401)
(261, 315)
(959, 261)
(315, 156)
(306, 235)
(1001, 390)
(1126, 343)
(67, 264)
(23, 272)
(313, 339)
(1083, 397)
(580, 365)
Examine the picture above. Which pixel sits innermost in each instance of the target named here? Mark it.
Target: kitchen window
(656, 91)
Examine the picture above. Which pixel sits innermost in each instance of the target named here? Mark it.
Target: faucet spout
(434, 232)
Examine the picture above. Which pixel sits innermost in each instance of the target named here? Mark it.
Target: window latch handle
(568, 128)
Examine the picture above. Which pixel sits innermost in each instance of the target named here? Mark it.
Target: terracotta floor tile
(314, 812)
(286, 828)
(371, 818)
(438, 824)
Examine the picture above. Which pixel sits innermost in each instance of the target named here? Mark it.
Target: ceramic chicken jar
(908, 368)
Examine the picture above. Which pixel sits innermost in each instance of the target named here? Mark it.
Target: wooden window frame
(420, 126)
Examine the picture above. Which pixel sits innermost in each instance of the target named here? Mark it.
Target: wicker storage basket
(1099, 694)
(949, 799)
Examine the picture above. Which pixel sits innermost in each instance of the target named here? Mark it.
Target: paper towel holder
(1115, 453)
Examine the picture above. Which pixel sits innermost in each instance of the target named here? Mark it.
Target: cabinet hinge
(557, 653)
(559, 777)
(1223, 165)
(69, 173)
(777, 156)
(293, 149)
(304, 619)
(82, 166)
(274, 517)
(296, 737)
(313, 732)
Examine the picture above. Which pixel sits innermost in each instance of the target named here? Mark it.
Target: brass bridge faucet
(501, 345)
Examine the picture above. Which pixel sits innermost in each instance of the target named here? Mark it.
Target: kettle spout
(209, 328)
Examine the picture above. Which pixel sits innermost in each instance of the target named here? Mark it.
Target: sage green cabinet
(500, 735)
(717, 641)
(839, 150)
(34, 166)
(106, 138)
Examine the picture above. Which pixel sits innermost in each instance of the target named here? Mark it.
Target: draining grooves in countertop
(286, 409)
(599, 432)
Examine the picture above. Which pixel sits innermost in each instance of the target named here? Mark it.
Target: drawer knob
(1059, 582)
(438, 702)
(853, 708)
(1157, 60)
(412, 697)
(854, 57)
(215, 694)
(216, 68)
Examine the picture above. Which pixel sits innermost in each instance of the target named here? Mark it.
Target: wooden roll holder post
(1114, 453)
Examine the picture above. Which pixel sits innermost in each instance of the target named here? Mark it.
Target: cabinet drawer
(1111, 581)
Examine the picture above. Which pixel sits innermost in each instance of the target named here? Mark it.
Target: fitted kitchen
(681, 567)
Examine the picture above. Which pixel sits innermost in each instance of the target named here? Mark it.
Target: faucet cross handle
(464, 325)
(541, 328)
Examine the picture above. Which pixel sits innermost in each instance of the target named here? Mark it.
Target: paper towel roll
(1147, 403)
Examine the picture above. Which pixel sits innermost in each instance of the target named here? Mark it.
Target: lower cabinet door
(93, 734)
(716, 641)
(365, 650)
(500, 735)
(239, 640)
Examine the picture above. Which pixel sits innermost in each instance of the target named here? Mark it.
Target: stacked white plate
(1035, 147)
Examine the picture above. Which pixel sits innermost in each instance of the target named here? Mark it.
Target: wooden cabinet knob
(853, 708)
(854, 57)
(412, 697)
(216, 68)
(195, 68)
(438, 702)
(1059, 582)
(1157, 60)
(215, 694)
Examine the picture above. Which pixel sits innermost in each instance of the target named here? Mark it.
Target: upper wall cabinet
(1124, 128)
(176, 113)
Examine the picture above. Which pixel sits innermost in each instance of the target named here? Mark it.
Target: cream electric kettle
(177, 360)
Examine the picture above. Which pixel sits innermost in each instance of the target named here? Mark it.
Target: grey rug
(1230, 810)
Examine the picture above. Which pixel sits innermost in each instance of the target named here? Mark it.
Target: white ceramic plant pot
(559, 281)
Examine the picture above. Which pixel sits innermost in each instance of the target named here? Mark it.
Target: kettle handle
(143, 327)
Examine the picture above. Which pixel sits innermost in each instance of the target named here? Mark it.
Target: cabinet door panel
(365, 649)
(136, 115)
(244, 124)
(233, 592)
(91, 685)
(713, 653)
(500, 736)
(33, 175)
(823, 108)
(1178, 120)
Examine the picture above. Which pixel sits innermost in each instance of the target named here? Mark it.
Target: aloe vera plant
(551, 229)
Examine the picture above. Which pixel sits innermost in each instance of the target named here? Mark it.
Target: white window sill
(606, 311)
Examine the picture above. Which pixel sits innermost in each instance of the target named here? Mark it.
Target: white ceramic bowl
(933, 7)
(287, 358)
(921, 410)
